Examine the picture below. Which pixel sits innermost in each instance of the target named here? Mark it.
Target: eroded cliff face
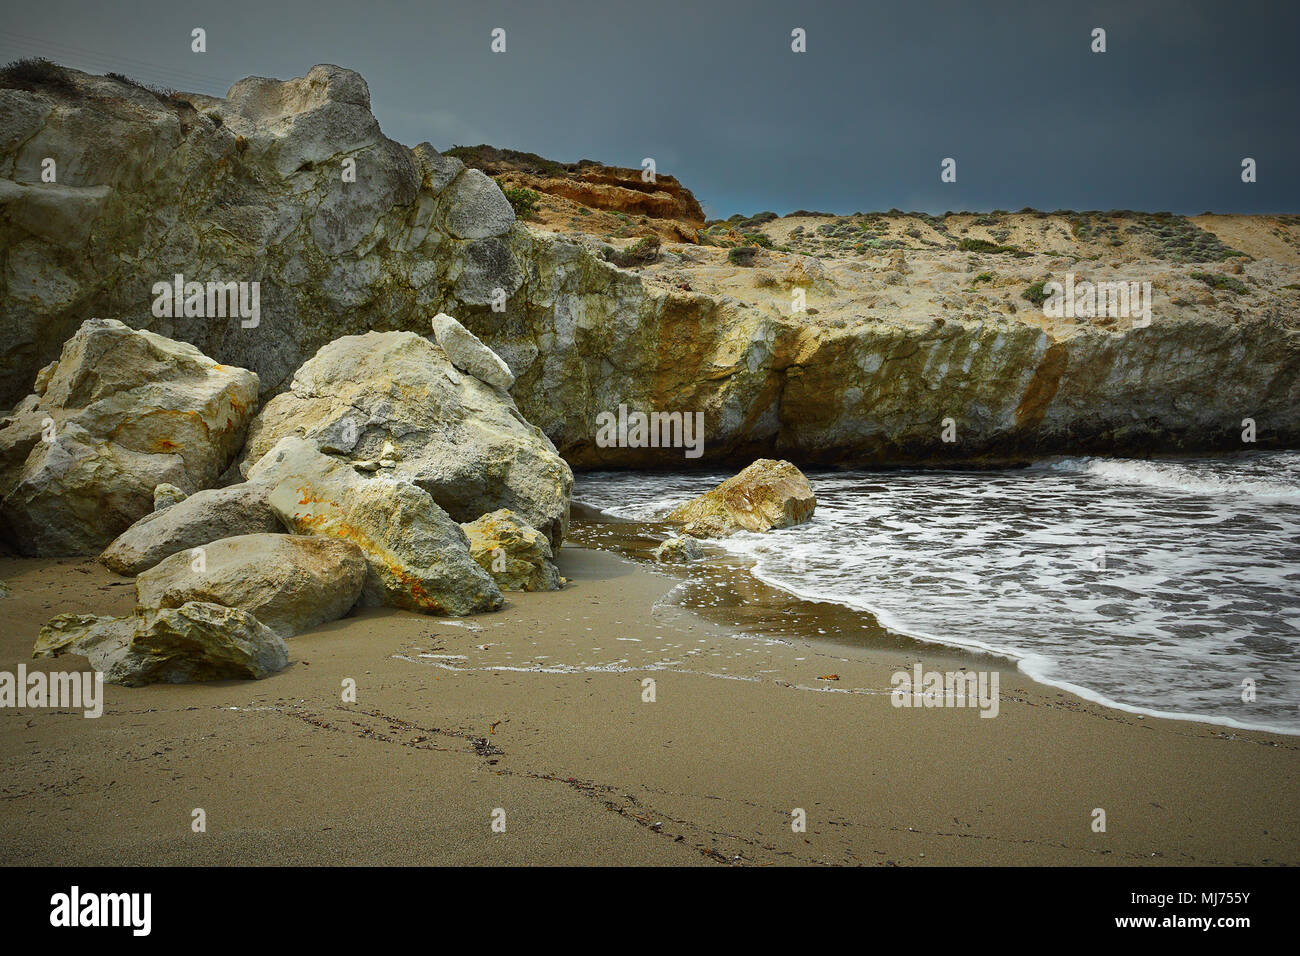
(291, 185)
(256, 187)
(592, 196)
(846, 386)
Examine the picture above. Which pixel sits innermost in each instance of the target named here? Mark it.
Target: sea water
(1165, 587)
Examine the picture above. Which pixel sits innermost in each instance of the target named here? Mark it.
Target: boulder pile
(437, 416)
(416, 557)
(354, 482)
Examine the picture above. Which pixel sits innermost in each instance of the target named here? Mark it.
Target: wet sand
(538, 711)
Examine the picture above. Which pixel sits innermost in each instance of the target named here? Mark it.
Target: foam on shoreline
(1149, 622)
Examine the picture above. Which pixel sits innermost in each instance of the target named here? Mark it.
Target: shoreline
(538, 710)
(636, 539)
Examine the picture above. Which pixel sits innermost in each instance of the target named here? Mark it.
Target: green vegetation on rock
(1036, 293)
(983, 245)
(523, 201)
(642, 252)
(1215, 281)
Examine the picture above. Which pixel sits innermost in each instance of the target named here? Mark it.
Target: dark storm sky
(711, 90)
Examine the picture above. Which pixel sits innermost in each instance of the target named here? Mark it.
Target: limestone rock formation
(119, 414)
(290, 583)
(517, 555)
(193, 642)
(201, 518)
(417, 557)
(290, 185)
(768, 494)
(257, 186)
(679, 548)
(395, 397)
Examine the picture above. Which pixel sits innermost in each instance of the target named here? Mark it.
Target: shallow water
(1156, 586)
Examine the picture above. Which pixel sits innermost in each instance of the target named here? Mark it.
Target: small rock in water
(768, 494)
(679, 548)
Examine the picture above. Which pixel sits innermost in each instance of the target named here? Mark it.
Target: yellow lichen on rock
(517, 555)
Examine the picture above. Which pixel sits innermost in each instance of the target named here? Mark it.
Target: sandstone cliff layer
(592, 195)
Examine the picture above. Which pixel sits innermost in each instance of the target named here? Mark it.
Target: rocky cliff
(881, 355)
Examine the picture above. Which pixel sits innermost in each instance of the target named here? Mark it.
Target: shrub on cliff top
(494, 161)
(753, 222)
(642, 252)
(164, 94)
(983, 245)
(523, 201)
(1180, 239)
(35, 73)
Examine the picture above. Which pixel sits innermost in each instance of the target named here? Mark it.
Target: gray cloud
(713, 93)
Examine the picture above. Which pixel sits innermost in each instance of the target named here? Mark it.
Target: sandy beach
(538, 711)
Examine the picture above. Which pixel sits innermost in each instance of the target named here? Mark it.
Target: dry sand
(537, 710)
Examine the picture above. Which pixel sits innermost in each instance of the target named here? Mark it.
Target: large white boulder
(118, 414)
(203, 517)
(290, 583)
(394, 403)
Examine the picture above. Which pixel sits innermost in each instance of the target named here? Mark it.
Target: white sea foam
(1208, 478)
(1154, 586)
